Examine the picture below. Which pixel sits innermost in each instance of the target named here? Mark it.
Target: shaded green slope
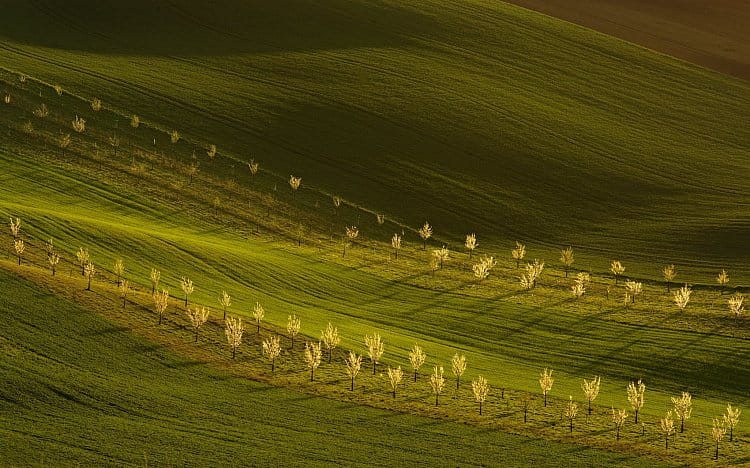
(78, 389)
(475, 115)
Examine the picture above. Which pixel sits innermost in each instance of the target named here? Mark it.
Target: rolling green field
(477, 116)
(79, 389)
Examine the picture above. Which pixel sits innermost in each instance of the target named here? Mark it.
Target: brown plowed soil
(711, 33)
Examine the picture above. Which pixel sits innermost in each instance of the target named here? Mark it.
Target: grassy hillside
(476, 115)
(79, 389)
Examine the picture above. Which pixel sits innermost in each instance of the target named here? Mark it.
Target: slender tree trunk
(330, 355)
(571, 425)
(415, 375)
(731, 430)
(668, 284)
(682, 426)
(545, 400)
(186, 298)
(636, 416)
(566, 272)
(196, 335)
(225, 313)
(458, 381)
(273, 365)
(292, 347)
(312, 375)
(589, 407)
(525, 413)
(394, 393)
(666, 442)
(160, 314)
(88, 288)
(480, 408)
(396, 254)
(124, 298)
(436, 399)
(352, 387)
(374, 363)
(717, 451)
(259, 327)
(234, 352)
(19, 260)
(618, 432)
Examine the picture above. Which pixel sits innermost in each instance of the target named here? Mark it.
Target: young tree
(352, 232)
(64, 142)
(7, 99)
(187, 287)
(191, 170)
(591, 390)
(518, 253)
(53, 260)
(618, 418)
(545, 382)
(480, 388)
(437, 382)
(718, 430)
(425, 232)
(58, 89)
(294, 183)
(566, 258)
(353, 365)
(293, 324)
(155, 276)
(533, 272)
(471, 243)
(41, 111)
(96, 104)
(669, 273)
(682, 297)
(89, 271)
(458, 365)
(225, 300)
(119, 269)
(484, 267)
(254, 167)
(394, 377)
(578, 289)
(114, 142)
(258, 313)
(633, 289)
(731, 418)
(723, 280)
(636, 396)
(417, 358)
(15, 228)
(135, 121)
(375, 348)
(441, 255)
(19, 246)
(198, 316)
(211, 151)
(571, 411)
(28, 128)
(736, 306)
(233, 329)
(161, 301)
(617, 269)
(683, 408)
(330, 338)
(396, 244)
(174, 136)
(667, 427)
(313, 355)
(82, 255)
(272, 349)
(79, 125)
(124, 287)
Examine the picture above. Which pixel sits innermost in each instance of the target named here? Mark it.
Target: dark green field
(477, 116)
